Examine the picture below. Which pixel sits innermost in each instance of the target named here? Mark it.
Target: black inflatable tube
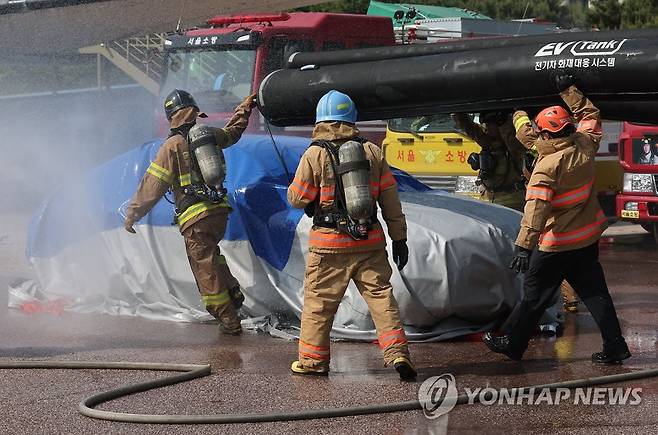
(194, 371)
(324, 58)
(617, 72)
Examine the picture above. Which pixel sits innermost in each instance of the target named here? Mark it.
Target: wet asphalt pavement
(250, 372)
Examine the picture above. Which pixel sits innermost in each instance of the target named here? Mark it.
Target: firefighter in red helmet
(562, 223)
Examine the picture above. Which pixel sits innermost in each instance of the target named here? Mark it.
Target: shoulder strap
(320, 143)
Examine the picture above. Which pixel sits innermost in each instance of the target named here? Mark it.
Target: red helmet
(553, 119)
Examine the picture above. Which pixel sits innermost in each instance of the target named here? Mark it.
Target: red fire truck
(223, 63)
(638, 155)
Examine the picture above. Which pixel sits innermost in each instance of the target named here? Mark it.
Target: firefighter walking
(339, 179)
(185, 163)
(562, 224)
(504, 165)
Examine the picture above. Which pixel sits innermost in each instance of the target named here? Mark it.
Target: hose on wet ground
(194, 371)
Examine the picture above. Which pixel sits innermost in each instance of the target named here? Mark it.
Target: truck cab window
(280, 50)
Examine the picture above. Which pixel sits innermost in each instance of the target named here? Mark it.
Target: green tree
(578, 17)
(604, 14)
(639, 13)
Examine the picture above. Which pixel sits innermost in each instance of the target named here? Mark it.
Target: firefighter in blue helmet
(340, 179)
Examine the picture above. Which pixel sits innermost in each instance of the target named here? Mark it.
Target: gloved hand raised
(400, 253)
(521, 260)
(251, 100)
(128, 225)
(563, 80)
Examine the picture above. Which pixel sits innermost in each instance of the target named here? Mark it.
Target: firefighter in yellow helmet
(339, 179)
(202, 211)
(562, 223)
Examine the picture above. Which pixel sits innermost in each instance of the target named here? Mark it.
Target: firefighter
(341, 176)
(511, 166)
(201, 212)
(501, 161)
(562, 223)
(647, 157)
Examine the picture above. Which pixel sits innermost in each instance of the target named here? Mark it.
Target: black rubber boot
(502, 345)
(405, 369)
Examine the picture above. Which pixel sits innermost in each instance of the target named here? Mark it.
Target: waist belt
(331, 220)
(194, 194)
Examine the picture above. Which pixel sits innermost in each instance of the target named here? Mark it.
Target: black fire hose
(194, 371)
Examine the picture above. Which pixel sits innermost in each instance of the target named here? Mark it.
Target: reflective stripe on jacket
(314, 181)
(562, 211)
(171, 168)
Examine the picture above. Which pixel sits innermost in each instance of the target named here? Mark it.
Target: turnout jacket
(171, 168)
(562, 211)
(508, 171)
(315, 181)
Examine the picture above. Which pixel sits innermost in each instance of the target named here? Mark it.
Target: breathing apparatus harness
(486, 161)
(197, 191)
(337, 217)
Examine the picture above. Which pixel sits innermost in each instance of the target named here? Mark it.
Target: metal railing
(144, 52)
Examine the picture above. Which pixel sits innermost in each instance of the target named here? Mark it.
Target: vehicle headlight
(638, 183)
(466, 184)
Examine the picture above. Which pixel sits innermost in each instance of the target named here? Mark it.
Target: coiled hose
(194, 371)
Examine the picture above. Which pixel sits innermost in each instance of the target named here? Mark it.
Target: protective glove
(251, 100)
(563, 81)
(400, 253)
(521, 260)
(128, 225)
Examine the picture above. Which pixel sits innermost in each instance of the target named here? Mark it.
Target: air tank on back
(208, 155)
(356, 181)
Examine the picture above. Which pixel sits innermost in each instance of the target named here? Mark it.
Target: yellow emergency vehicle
(434, 151)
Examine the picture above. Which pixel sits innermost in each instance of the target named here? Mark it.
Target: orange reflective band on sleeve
(333, 240)
(374, 190)
(396, 336)
(543, 193)
(571, 237)
(386, 180)
(327, 193)
(314, 352)
(573, 196)
(590, 125)
(305, 190)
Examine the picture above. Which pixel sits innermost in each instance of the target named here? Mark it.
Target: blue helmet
(335, 106)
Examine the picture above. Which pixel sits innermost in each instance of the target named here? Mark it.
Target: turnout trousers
(213, 277)
(325, 282)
